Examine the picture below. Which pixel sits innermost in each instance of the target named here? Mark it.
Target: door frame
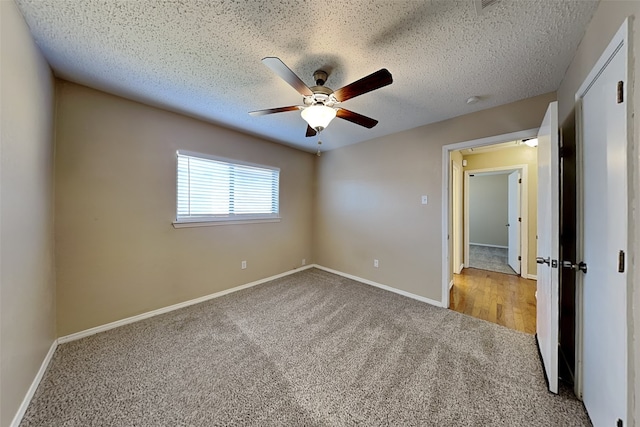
(447, 273)
(619, 41)
(457, 193)
(524, 213)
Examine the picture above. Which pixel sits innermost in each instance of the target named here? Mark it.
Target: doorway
(496, 218)
(501, 296)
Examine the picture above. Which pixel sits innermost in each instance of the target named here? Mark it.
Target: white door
(604, 189)
(514, 220)
(548, 245)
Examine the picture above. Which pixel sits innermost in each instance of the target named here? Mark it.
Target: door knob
(581, 266)
(541, 260)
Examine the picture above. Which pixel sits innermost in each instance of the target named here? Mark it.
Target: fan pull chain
(319, 144)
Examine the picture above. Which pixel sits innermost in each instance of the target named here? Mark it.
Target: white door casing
(548, 293)
(457, 218)
(603, 183)
(514, 220)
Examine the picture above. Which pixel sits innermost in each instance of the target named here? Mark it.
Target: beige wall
(522, 155)
(488, 210)
(368, 199)
(605, 23)
(117, 252)
(27, 287)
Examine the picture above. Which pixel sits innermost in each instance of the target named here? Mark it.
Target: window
(212, 189)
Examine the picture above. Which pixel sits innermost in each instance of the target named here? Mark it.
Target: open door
(548, 294)
(514, 221)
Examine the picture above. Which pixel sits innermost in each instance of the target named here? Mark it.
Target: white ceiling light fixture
(318, 116)
(473, 100)
(531, 142)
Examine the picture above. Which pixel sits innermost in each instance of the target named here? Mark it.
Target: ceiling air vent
(483, 5)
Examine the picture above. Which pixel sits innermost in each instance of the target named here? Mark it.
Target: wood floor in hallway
(504, 299)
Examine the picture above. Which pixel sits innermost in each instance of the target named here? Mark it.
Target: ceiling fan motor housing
(322, 95)
(320, 77)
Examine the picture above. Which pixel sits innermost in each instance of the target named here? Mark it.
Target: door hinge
(619, 423)
(519, 219)
(620, 92)
(519, 180)
(519, 258)
(621, 262)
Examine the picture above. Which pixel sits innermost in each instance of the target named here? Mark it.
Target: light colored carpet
(310, 349)
(488, 258)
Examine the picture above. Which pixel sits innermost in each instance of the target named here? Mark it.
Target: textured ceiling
(202, 58)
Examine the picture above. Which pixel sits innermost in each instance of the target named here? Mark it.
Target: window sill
(214, 222)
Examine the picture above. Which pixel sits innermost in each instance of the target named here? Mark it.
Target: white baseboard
(132, 319)
(17, 419)
(459, 270)
(451, 284)
(532, 276)
(489, 246)
(381, 286)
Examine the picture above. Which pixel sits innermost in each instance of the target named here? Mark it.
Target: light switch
(425, 199)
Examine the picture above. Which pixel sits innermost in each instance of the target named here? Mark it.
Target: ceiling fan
(320, 103)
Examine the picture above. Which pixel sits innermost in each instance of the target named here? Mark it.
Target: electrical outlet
(375, 263)
(304, 261)
(244, 265)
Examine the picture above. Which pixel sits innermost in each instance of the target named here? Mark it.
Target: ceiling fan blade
(285, 73)
(275, 110)
(310, 131)
(356, 118)
(373, 81)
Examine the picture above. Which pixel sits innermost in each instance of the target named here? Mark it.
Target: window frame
(205, 221)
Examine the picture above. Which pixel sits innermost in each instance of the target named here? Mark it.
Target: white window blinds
(213, 189)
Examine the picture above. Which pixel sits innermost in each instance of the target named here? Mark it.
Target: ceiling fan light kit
(320, 102)
(318, 116)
